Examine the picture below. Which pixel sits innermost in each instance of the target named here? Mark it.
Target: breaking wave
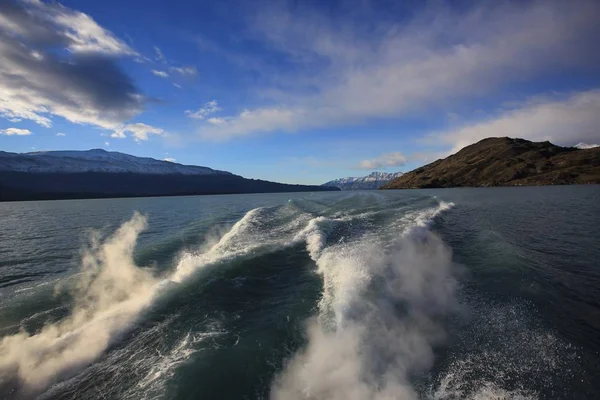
(348, 296)
(108, 296)
(111, 292)
(380, 316)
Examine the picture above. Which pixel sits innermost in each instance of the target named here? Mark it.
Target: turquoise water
(433, 294)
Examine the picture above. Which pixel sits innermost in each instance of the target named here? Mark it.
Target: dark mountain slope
(506, 162)
(46, 186)
(97, 174)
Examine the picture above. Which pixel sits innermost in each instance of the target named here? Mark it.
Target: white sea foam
(379, 316)
(255, 231)
(35, 286)
(503, 350)
(108, 296)
(163, 366)
(110, 293)
(456, 385)
(218, 247)
(315, 235)
(487, 391)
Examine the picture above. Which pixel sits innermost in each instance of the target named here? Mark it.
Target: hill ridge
(504, 161)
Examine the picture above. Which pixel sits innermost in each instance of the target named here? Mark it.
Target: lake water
(490, 293)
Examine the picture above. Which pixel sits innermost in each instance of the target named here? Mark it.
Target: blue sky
(299, 92)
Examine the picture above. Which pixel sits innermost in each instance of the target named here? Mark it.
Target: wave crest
(380, 317)
(107, 297)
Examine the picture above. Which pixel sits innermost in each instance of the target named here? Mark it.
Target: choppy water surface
(433, 294)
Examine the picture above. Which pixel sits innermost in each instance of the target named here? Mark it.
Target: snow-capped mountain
(372, 181)
(55, 175)
(95, 160)
(584, 146)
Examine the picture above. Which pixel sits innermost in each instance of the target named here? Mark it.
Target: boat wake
(385, 299)
(111, 293)
(107, 297)
(380, 315)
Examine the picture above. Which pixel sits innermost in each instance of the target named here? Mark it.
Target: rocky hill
(370, 182)
(506, 162)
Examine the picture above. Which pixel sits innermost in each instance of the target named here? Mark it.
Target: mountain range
(95, 160)
(506, 161)
(370, 182)
(99, 173)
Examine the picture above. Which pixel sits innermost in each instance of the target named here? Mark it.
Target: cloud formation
(162, 74)
(395, 159)
(138, 130)
(343, 72)
(84, 84)
(15, 132)
(565, 121)
(216, 121)
(44, 23)
(207, 109)
(256, 120)
(185, 71)
(158, 55)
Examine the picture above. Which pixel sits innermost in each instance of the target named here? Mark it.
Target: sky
(296, 91)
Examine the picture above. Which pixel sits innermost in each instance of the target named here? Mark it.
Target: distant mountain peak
(370, 182)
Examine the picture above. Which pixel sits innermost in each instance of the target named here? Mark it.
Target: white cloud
(120, 134)
(185, 71)
(586, 146)
(106, 144)
(395, 159)
(564, 121)
(169, 159)
(216, 121)
(88, 36)
(257, 120)
(138, 130)
(61, 134)
(83, 33)
(84, 85)
(207, 109)
(15, 132)
(177, 86)
(14, 108)
(162, 74)
(158, 55)
(343, 72)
